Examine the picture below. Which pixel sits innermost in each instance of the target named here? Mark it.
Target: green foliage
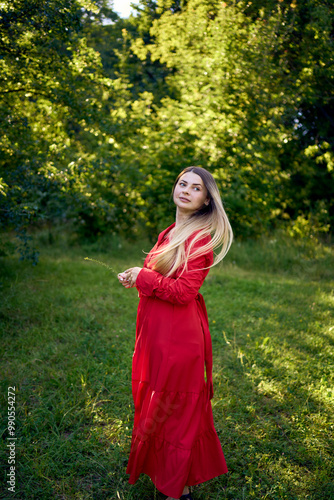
(307, 153)
(228, 103)
(49, 91)
(240, 109)
(99, 114)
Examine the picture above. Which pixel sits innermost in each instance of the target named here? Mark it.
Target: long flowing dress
(174, 440)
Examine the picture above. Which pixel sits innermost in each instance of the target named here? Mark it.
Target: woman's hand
(128, 277)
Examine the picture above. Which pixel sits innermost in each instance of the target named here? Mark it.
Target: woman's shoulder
(165, 232)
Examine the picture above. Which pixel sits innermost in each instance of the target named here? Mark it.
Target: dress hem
(187, 476)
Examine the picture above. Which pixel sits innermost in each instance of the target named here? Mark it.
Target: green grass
(67, 336)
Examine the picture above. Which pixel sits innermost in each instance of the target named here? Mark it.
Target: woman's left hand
(130, 276)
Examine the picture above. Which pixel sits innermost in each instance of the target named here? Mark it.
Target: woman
(174, 440)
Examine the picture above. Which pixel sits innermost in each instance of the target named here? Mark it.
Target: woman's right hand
(128, 277)
(123, 280)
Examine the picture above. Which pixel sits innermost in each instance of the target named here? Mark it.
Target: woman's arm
(180, 290)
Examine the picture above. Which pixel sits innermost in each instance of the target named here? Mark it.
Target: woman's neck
(181, 217)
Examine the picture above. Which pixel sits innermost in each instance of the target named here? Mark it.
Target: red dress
(174, 440)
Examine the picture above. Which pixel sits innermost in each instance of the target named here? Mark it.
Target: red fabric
(174, 440)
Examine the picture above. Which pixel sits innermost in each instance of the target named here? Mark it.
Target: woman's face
(190, 193)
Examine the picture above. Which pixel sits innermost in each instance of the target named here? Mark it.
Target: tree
(307, 153)
(225, 115)
(52, 94)
(248, 87)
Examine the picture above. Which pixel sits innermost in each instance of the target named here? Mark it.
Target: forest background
(98, 114)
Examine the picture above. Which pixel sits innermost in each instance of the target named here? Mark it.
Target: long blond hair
(209, 220)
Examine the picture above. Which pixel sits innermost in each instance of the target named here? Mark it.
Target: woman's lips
(183, 199)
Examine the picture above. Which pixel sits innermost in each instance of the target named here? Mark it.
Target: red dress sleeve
(180, 289)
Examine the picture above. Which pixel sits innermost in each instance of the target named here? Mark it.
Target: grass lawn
(67, 336)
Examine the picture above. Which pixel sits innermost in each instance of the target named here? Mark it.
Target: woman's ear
(207, 201)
